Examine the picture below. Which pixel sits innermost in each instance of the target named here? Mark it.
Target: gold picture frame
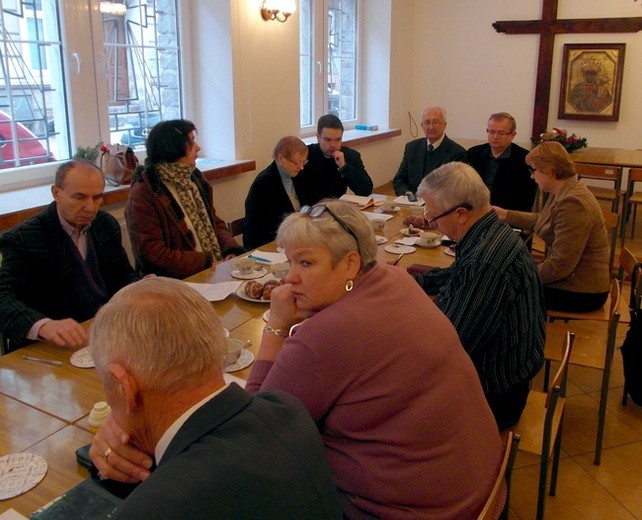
(591, 81)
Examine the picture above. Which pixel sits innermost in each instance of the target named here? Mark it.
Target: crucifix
(547, 28)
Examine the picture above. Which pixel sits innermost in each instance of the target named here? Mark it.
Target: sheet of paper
(377, 216)
(264, 257)
(407, 241)
(12, 514)
(378, 196)
(215, 292)
(229, 378)
(402, 200)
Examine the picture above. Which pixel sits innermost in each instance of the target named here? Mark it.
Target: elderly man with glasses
(501, 164)
(421, 156)
(491, 294)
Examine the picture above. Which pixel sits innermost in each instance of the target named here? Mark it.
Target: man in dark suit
(423, 155)
(219, 451)
(332, 168)
(62, 264)
(501, 164)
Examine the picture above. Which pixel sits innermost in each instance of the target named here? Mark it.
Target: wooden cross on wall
(547, 28)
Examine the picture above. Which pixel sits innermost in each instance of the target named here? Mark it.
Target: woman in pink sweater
(381, 370)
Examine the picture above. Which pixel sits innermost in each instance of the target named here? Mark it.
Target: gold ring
(107, 452)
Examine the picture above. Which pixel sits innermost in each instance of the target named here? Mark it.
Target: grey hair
(162, 331)
(299, 228)
(455, 183)
(441, 111)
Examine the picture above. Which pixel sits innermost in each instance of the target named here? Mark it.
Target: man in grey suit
(61, 265)
(423, 155)
(220, 452)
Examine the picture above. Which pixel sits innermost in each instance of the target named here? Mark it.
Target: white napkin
(215, 292)
(266, 258)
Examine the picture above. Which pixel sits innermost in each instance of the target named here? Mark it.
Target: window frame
(86, 97)
(319, 65)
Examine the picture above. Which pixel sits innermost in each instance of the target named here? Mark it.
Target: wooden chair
(236, 226)
(593, 349)
(632, 200)
(602, 172)
(630, 267)
(540, 427)
(502, 481)
(635, 303)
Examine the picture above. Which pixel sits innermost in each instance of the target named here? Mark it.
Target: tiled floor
(612, 490)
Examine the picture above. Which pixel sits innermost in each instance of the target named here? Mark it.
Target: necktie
(429, 150)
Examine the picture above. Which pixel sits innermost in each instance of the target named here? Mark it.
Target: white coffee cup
(428, 236)
(244, 265)
(388, 207)
(280, 270)
(234, 348)
(377, 224)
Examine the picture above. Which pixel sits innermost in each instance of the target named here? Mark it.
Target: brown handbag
(118, 163)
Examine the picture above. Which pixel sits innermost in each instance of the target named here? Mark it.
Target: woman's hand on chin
(283, 308)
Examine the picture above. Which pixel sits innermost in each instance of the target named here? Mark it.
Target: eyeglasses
(432, 122)
(464, 205)
(500, 133)
(297, 164)
(531, 169)
(319, 209)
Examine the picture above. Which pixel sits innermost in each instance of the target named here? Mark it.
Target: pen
(43, 361)
(396, 260)
(259, 259)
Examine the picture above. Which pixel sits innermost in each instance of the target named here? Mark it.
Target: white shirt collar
(436, 144)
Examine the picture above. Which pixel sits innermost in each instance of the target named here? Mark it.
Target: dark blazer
(240, 457)
(512, 187)
(37, 271)
(416, 155)
(266, 205)
(321, 179)
(161, 241)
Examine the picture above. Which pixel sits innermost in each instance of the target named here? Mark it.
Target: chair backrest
(505, 470)
(600, 172)
(635, 175)
(236, 226)
(561, 376)
(629, 264)
(611, 221)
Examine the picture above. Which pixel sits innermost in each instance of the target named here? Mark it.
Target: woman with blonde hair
(575, 267)
(400, 408)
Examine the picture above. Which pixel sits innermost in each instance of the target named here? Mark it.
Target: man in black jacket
(422, 156)
(502, 166)
(332, 168)
(62, 264)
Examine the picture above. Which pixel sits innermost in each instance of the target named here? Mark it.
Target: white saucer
(380, 239)
(400, 248)
(266, 316)
(245, 360)
(255, 273)
(82, 358)
(449, 252)
(19, 472)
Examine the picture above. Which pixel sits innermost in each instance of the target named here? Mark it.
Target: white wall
(462, 63)
(430, 52)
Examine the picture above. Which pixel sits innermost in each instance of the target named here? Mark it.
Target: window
(31, 83)
(108, 85)
(328, 40)
(141, 44)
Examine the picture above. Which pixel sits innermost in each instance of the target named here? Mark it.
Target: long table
(44, 408)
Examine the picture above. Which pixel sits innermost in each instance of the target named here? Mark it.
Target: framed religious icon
(591, 81)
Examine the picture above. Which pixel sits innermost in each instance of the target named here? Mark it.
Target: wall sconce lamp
(277, 9)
